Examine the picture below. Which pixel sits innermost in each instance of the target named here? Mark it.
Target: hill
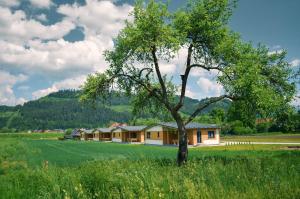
(62, 109)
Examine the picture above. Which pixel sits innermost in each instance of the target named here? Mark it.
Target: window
(157, 134)
(211, 134)
(133, 135)
(148, 135)
(114, 135)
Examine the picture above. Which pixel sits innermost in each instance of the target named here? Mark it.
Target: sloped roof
(105, 130)
(75, 132)
(191, 125)
(133, 128)
(88, 131)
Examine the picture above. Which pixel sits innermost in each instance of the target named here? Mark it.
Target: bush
(68, 131)
(263, 127)
(240, 130)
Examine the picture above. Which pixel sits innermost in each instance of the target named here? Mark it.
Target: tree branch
(206, 104)
(151, 91)
(211, 68)
(184, 78)
(160, 79)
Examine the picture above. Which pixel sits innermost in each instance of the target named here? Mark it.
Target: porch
(132, 137)
(105, 137)
(171, 138)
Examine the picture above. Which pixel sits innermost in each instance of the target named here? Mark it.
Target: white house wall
(116, 140)
(155, 142)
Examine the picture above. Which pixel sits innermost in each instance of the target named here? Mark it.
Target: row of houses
(160, 134)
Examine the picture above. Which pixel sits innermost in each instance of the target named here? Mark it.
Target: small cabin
(102, 134)
(129, 134)
(75, 134)
(86, 134)
(167, 134)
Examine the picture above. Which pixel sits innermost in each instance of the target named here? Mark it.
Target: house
(102, 134)
(86, 134)
(132, 134)
(75, 134)
(167, 134)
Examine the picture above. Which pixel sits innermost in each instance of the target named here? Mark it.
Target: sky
(50, 45)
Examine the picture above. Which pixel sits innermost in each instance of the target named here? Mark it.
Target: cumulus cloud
(59, 58)
(29, 47)
(17, 29)
(9, 3)
(295, 62)
(71, 83)
(190, 93)
(7, 81)
(209, 88)
(41, 3)
(97, 17)
(41, 17)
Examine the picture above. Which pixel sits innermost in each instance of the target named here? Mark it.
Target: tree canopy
(248, 74)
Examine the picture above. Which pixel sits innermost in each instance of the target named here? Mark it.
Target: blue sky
(49, 45)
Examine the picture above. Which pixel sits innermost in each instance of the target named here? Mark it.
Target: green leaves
(96, 87)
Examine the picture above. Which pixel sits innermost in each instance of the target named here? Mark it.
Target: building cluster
(160, 134)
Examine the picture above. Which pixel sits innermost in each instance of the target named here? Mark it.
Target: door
(198, 136)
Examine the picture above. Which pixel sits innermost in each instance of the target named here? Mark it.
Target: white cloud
(97, 17)
(41, 3)
(208, 88)
(41, 17)
(167, 69)
(58, 59)
(71, 83)
(17, 29)
(190, 93)
(295, 62)
(272, 52)
(7, 81)
(24, 50)
(9, 3)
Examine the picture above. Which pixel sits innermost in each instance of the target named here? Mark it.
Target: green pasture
(39, 166)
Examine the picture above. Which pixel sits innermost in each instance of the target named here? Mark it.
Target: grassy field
(37, 166)
(264, 138)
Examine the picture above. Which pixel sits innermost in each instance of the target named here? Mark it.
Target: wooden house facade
(129, 134)
(102, 134)
(167, 134)
(86, 134)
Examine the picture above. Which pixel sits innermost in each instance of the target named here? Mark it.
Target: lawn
(288, 138)
(34, 166)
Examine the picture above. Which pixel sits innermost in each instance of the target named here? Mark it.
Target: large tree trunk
(182, 154)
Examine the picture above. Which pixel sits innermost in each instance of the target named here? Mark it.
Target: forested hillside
(63, 110)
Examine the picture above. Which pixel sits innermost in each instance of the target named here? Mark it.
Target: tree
(155, 35)
(218, 114)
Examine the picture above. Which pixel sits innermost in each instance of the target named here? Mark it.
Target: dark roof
(133, 128)
(191, 125)
(88, 131)
(75, 133)
(104, 130)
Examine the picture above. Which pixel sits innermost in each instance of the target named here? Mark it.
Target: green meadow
(40, 166)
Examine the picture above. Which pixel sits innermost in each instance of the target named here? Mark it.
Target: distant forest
(62, 110)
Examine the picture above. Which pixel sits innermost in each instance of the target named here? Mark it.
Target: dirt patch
(292, 148)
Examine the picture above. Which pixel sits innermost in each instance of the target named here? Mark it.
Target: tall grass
(201, 178)
(142, 172)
